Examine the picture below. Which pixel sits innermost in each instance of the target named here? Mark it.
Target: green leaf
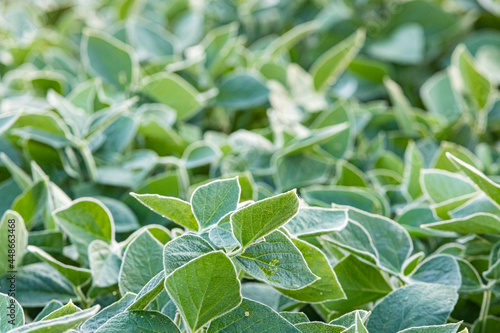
(391, 241)
(213, 201)
(405, 45)
(171, 208)
(277, 262)
(199, 154)
(204, 289)
(37, 284)
(6, 121)
(358, 326)
(142, 260)
(251, 316)
(76, 275)
(319, 327)
(65, 310)
(222, 235)
(403, 308)
(479, 223)
(22, 178)
(326, 288)
(173, 91)
(349, 319)
(448, 328)
(414, 162)
(259, 219)
(332, 63)
(349, 175)
(317, 221)
(440, 269)
(11, 313)
(290, 38)
(124, 217)
(354, 238)
(484, 183)
(139, 321)
(475, 84)
(85, 220)
(403, 110)
(109, 58)
(182, 250)
(17, 240)
(105, 263)
(441, 186)
(48, 309)
(471, 281)
(242, 91)
(362, 283)
(294, 317)
(93, 323)
(149, 292)
(58, 325)
(440, 98)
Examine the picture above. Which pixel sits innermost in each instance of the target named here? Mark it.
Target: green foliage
(250, 166)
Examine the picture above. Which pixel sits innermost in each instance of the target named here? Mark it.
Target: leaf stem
(85, 302)
(485, 307)
(177, 319)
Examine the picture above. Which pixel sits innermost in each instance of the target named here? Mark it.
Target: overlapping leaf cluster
(250, 166)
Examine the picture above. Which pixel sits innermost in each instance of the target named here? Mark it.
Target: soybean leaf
(173, 91)
(294, 317)
(65, 310)
(479, 223)
(251, 316)
(332, 63)
(12, 314)
(476, 85)
(326, 288)
(403, 308)
(109, 58)
(484, 183)
(362, 283)
(204, 289)
(139, 320)
(85, 220)
(213, 201)
(149, 292)
(94, 323)
(182, 250)
(241, 91)
(290, 38)
(440, 269)
(142, 260)
(14, 238)
(48, 309)
(60, 324)
(171, 208)
(440, 185)
(22, 178)
(314, 220)
(76, 275)
(278, 262)
(447, 328)
(349, 319)
(259, 219)
(105, 263)
(37, 284)
(319, 327)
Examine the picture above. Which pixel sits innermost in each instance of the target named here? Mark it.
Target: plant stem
(83, 299)
(485, 307)
(177, 319)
